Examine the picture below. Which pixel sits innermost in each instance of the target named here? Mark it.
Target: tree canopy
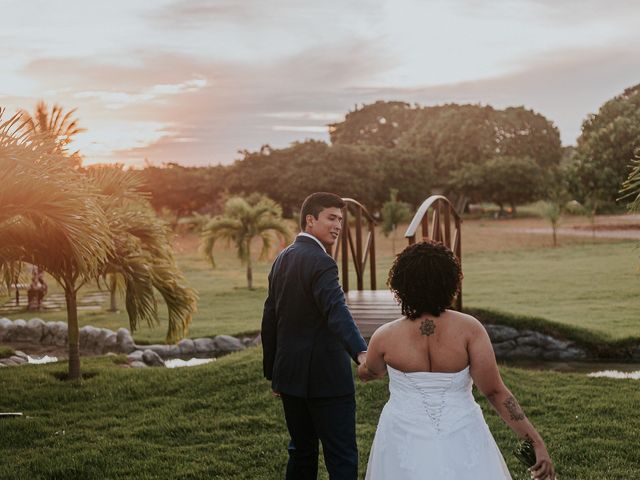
(605, 148)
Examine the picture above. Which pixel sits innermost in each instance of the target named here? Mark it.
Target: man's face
(327, 226)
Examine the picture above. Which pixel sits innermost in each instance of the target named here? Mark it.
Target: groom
(308, 337)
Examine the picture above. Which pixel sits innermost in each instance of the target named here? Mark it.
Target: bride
(431, 427)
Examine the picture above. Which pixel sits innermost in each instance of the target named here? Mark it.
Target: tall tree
(242, 221)
(605, 148)
(502, 180)
(50, 217)
(379, 124)
(78, 227)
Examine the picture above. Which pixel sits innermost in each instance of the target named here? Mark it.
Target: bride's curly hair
(425, 278)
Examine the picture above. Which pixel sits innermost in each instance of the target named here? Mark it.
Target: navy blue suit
(309, 339)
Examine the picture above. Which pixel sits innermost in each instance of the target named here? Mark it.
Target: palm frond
(631, 186)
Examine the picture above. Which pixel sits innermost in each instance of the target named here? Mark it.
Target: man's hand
(275, 394)
(365, 374)
(362, 358)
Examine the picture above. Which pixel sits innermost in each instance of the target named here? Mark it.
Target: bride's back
(428, 343)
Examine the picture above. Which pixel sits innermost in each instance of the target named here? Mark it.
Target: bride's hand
(543, 469)
(364, 373)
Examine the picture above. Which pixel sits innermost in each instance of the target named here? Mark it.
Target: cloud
(565, 86)
(116, 100)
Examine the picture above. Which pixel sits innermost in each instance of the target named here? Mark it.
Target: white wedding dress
(432, 428)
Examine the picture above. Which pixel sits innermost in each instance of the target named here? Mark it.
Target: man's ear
(310, 219)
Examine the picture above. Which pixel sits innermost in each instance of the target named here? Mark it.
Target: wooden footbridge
(355, 250)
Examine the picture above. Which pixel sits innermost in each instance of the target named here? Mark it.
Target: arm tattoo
(514, 409)
(427, 327)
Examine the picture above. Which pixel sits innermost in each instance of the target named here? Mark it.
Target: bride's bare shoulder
(465, 320)
(390, 327)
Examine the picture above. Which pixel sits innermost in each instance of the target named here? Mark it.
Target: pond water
(41, 359)
(178, 362)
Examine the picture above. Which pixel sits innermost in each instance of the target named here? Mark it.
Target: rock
(573, 353)
(28, 333)
(256, 341)
(555, 344)
(55, 333)
(18, 360)
(226, 343)
(526, 351)
(165, 351)
(135, 356)
(502, 349)
(37, 326)
(7, 362)
(2, 365)
(21, 354)
(533, 339)
(205, 345)
(138, 365)
(187, 347)
(152, 359)
(110, 342)
(89, 339)
(6, 329)
(125, 341)
(501, 333)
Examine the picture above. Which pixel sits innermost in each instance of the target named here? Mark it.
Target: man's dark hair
(315, 203)
(425, 278)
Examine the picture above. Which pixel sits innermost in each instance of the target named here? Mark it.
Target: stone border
(511, 343)
(100, 341)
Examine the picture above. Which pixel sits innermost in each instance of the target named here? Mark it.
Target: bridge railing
(361, 248)
(437, 219)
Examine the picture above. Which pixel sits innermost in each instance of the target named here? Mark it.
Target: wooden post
(372, 256)
(359, 259)
(345, 249)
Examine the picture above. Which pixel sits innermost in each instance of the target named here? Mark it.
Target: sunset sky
(193, 82)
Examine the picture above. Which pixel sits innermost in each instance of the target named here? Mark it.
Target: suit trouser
(331, 420)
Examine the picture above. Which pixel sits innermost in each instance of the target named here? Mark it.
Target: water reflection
(177, 362)
(41, 360)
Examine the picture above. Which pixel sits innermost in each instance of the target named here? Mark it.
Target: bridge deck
(372, 308)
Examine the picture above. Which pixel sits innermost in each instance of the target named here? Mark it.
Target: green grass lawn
(220, 421)
(594, 286)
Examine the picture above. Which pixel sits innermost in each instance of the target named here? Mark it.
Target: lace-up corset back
(443, 401)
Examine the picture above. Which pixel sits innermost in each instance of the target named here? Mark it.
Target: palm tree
(241, 222)
(142, 260)
(79, 227)
(61, 127)
(50, 217)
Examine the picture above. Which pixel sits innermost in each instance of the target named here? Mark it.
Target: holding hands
(364, 373)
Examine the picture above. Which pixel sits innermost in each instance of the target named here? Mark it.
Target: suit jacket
(308, 335)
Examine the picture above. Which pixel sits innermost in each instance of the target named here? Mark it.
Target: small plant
(6, 352)
(526, 453)
(394, 212)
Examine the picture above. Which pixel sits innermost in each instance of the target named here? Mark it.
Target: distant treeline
(510, 157)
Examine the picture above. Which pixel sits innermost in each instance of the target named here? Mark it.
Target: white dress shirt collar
(305, 234)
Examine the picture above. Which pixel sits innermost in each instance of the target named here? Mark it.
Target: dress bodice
(442, 402)
(432, 429)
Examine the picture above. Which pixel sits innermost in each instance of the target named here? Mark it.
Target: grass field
(219, 421)
(581, 283)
